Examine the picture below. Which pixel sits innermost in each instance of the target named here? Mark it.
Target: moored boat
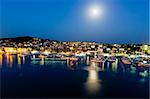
(126, 61)
(111, 59)
(96, 60)
(143, 64)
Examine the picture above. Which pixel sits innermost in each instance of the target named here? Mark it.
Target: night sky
(121, 21)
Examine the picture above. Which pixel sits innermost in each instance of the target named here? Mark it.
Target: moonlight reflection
(92, 84)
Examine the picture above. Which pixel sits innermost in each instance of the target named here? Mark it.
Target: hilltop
(25, 39)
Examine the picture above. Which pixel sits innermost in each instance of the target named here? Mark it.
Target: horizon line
(70, 40)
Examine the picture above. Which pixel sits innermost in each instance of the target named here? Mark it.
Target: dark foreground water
(21, 77)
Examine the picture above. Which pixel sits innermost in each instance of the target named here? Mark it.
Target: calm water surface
(21, 77)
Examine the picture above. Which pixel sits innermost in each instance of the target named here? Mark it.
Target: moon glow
(95, 11)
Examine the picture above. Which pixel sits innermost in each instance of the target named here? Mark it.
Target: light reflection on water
(88, 60)
(9, 59)
(1, 60)
(42, 61)
(133, 70)
(115, 66)
(92, 85)
(21, 59)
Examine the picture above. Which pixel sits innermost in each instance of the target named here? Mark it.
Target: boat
(55, 59)
(73, 59)
(58, 55)
(126, 61)
(141, 62)
(36, 59)
(97, 60)
(50, 56)
(111, 59)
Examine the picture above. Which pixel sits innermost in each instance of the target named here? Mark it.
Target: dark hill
(24, 39)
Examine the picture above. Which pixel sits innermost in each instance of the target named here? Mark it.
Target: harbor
(93, 73)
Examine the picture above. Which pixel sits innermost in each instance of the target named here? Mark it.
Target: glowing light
(145, 47)
(80, 54)
(19, 60)
(11, 61)
(7, 59)
(144, 74)
(1, 60)
(1, 51)
(34, 52)
(42, 61)
(93, 83)
(115, 66)
(95, 11)
(23, 59)
(88, 60)
(46, 52)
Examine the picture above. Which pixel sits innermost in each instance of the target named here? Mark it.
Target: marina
(74, 49)
(92, 74)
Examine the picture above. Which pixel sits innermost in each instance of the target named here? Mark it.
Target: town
(41, 49)
(29, 44)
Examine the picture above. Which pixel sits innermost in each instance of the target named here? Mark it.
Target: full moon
(94, 11)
